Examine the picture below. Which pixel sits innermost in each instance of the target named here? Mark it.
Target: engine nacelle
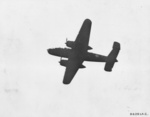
(71, 44)
(64, 63)
(90, 48)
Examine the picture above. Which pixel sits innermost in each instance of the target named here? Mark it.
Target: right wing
(71, 69)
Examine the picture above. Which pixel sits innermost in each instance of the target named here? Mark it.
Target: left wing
(71, 69)
(82, 40)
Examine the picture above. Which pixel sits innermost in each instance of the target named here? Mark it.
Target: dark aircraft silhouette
(78, 53)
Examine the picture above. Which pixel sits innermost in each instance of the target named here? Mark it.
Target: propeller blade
(66, 40)
(60, 59)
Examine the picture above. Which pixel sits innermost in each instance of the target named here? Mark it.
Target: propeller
(60, 59)
(66, 41)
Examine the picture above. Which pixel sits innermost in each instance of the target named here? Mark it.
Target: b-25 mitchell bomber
(77, 53)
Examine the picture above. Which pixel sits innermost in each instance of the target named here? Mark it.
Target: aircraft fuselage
(87, 56)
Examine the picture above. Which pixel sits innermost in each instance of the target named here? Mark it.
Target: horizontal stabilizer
(111, 58)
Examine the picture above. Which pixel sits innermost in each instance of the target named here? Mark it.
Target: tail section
(111, 58)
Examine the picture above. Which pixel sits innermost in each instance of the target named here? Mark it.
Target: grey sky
(31, 80)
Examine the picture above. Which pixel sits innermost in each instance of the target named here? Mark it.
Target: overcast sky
(31, 79)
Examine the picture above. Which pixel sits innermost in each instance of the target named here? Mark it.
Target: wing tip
(88, 20)
(66, 82)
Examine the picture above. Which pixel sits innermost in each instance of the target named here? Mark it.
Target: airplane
(77, 53)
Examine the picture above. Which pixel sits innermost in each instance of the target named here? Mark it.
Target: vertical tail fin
(111, 58)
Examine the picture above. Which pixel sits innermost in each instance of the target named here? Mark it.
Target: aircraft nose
(49, 51)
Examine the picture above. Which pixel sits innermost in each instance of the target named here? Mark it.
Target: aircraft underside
(77, 53)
